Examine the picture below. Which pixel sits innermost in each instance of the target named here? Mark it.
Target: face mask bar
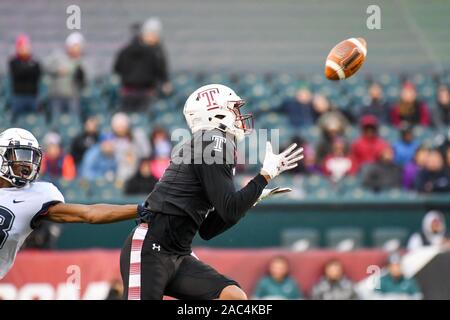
(21, 165)
(243, 121)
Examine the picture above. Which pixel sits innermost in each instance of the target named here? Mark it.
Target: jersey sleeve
(50, 193)
(49, 196)
(212, 226)
(230, 204)
(217, 180)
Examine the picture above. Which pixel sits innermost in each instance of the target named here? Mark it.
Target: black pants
(149, 273)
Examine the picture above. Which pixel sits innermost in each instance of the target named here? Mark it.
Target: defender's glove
(274, 164)
(270, 192)
(143, 215)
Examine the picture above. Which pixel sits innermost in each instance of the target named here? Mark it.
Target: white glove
(270, 192)
(274, 164)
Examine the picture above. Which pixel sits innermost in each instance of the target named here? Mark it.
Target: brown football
(345, 59)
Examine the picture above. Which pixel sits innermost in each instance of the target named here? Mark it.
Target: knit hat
(22, 40)
(153, 25)
(74, 38)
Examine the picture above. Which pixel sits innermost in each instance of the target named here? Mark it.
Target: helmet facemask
(242, 122)
(20, 165)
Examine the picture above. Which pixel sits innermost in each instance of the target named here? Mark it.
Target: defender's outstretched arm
(95, 213)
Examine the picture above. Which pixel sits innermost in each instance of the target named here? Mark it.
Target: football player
(197, 194)
(24, 201)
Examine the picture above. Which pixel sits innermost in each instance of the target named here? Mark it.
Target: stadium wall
(86, 274)
(262, 227)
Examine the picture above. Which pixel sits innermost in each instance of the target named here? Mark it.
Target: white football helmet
(20, 157)
(217, 106)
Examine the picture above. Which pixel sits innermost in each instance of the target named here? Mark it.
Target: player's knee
(232, 293)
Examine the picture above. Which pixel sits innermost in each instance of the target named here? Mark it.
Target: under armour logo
(156, 247)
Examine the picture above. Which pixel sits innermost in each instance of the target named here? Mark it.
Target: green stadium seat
(393, 93)
(74, 190)
(300, 239)
(344, 238)
(360, 193)
(389, 238)
(322, 193)
(138, 120)
(317, 186)
(105, 190)
(36, 123)
(311, 135)
(347, 184)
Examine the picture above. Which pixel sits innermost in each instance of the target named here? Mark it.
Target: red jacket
(366, 150)
(420, 117)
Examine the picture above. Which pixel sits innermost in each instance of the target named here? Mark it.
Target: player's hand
(271, 192)
(143, 214)
(274, 164)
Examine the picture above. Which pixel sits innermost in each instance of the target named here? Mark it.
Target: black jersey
(197, 193)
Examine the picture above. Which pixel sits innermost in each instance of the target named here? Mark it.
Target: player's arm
(95, 213)
(212, 226)
(231, 205)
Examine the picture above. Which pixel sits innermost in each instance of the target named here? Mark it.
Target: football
(345, 59)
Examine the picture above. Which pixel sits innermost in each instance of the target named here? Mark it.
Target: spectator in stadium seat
(278, 284)
(394, 285)
(130, 146)
(25, 74)
(321, 106)
(308, 165)
(376, 105)
(442, 141)
(299, 109)
(85, 139)
(334, 285)
(433, 232)
(161, 150)
(441, 111)
(369, 146)
(410, 109)
(333, 126)
(160, 143)
(405, 148)
(55, 162)
(412, 168)
(99, 161)
(143, 181)
(384, 174)
(67, 77)
(338, 163)
(142, 68)
(434, 177)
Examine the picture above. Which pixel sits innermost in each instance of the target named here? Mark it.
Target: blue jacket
(404, 152)
(96, 164)
(300, 115)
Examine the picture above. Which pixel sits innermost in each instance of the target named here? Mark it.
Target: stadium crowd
(133, 158)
